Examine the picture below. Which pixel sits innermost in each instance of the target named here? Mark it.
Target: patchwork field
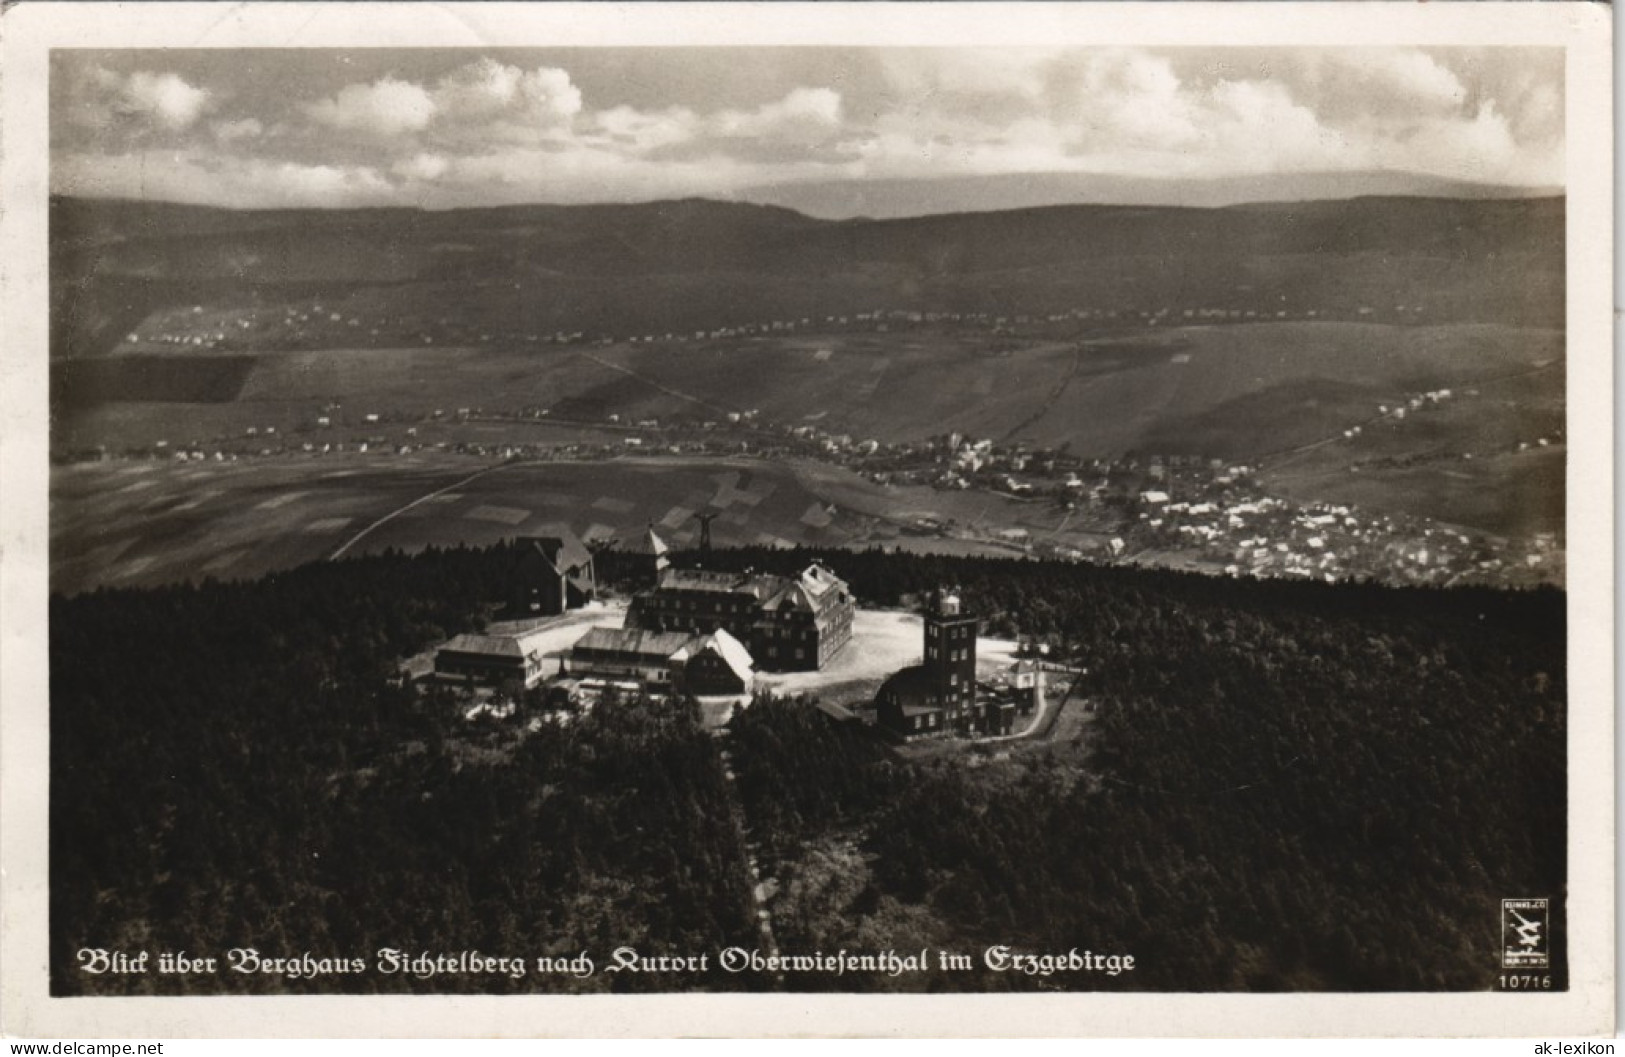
(130, 524)
(1230, 391)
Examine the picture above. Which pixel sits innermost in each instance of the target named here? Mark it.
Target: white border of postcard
(29, 30)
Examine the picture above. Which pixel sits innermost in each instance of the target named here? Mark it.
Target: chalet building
(664, 661)
(938, 696)
(789, 623)
(491, 660)
(552, 574)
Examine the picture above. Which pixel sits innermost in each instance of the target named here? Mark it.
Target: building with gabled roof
(716, 663)
(790, 623)
(492, 660)
(552, 574)
(674, 661)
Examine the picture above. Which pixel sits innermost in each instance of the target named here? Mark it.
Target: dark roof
(674, 579)
(813, 590)
(648, 543)
(912, 687)
(566, 554)
(516, 647)
(660, 644)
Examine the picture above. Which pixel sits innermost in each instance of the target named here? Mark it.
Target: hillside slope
(694, 264)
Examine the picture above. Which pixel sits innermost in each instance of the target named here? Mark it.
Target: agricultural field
(147, 523)
(1491, 456)
(1232, 391)
(361, 369)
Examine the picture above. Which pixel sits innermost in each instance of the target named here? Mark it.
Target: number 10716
(1526, 981)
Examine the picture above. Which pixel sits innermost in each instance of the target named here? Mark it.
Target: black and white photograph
(1086, 514)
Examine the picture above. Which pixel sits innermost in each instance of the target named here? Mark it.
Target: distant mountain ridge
(697, 264)
(884, 199)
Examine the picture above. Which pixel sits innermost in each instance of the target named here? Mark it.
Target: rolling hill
(889, 199)
(1267, 333)
(621, 270)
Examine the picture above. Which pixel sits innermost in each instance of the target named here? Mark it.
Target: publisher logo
(1525, 934)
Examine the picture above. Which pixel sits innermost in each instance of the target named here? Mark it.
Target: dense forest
(236, 766)
(1285, 786)
(1280, 786)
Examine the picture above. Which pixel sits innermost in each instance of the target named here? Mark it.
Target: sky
(441, 128)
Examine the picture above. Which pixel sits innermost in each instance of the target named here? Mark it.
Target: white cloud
(421, 167)
(1374, 84)
(387, 107)
(101, 99)
(213, 179)
(806, 125)
(230, 131)
(498, 131)
(493, 90)
(170, 101)
(638, 131)
(1482, 149)
(477, 106)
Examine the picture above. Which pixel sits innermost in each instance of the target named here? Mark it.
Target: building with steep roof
(552, 574)
(790, 623)
(664, 661)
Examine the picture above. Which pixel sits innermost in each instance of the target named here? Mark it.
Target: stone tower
(950, 654)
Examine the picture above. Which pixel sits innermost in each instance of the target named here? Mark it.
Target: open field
(144, 523)
(1517, 494)
(1491, 457)
(1233, 391)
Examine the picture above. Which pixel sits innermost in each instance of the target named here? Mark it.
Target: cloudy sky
(443, 128)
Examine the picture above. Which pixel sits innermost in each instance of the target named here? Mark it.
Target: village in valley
(1227, 516)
